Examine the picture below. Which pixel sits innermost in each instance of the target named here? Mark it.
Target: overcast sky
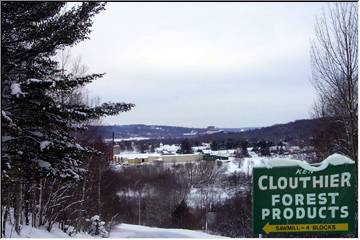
(200, 64)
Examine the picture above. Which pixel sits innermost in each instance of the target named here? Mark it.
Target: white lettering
(310, 199)
(333, 195)
(271, 183)
(275, 199)
(299, 199)
(321, 215)
(300, 213)
(333, 210)
(312, 214)
(344, 212)
(322, 198)
(265, 212)
(304, 181)
(261, 185)
(288, 213)
(334, 180)
(326, 184)
(345, 179)
(318, 181)
(276, 213)
(287, 200)
(282, 182)
(293, 182)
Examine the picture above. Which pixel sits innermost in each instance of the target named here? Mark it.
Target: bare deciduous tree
(69, 64)
(334, 59)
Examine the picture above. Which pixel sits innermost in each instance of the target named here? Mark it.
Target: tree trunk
(6, 213)
(27, 203)
(99, 191)
(206, 221)
(34, 210)
(80, 222)
(139, 205)
(40, 203)
(18, 207)
(111, 223)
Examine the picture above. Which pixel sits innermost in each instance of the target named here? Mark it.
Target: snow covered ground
(118, 231)
(244, 165)
(136, 231)
(30, 232)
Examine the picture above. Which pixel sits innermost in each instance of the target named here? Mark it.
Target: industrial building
(139, 158)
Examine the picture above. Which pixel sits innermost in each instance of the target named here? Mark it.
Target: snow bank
(334, 159)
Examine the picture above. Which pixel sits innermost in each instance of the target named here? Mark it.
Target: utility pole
(139, 200)
(139, 210)
(112, 147)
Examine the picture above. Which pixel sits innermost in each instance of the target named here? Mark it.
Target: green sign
(294, 200)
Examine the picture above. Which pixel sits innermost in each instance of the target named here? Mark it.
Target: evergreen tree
(214, 145)
(185, 147)
(244, 151)
(229, 143)
(182, 217)
(39, 120)
(264, 148)
(280, 148)
(38, 123)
